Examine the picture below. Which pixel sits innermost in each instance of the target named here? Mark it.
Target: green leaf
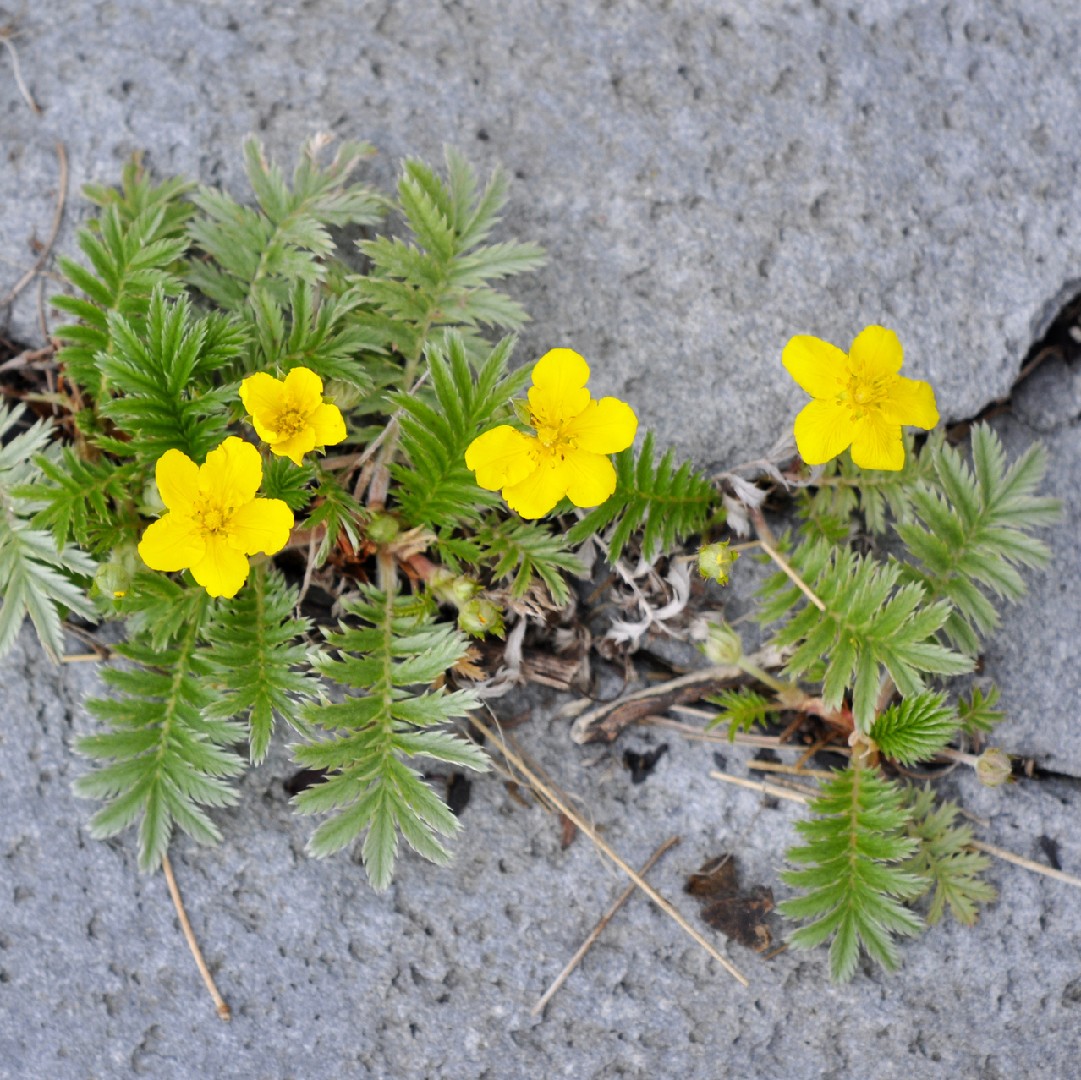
(665, 503)
(162, 378)
(852, 891)
(970, 528)
(163, 756)
(39, 575)
(435, 488)
(946, 859)
(255, 659)
(915, 729)
(872, 624)
(977, 713)
(741, 709)
(391, 651)
(282, 479)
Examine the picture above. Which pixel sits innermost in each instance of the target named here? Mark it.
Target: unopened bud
(993, 767)
(345, 395)
(451, 588)
(714, 561)
(382, 528)
(722, 645)
(153, 505)
(480, 616)
(114, 577)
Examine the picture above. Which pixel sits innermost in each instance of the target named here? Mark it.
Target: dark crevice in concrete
(1058, 337)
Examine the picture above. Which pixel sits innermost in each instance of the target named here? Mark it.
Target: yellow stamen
(290, 421)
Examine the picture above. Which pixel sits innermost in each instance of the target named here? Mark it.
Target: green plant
(377, 381)
(868, 637)
(187, 294)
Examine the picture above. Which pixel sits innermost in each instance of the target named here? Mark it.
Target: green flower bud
(114, 578)
(382, 528)
(451, 588)
(480, 616)
(723, 645)
(714, 561)
(345, 395)
(152, 504)
(993, 767)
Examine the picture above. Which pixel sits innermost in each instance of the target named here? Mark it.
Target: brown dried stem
(224, 1012)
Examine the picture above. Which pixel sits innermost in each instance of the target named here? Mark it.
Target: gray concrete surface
(709, 179)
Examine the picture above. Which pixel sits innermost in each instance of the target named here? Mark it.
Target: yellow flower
(568, 454)
(214, 521)
(289, 414)
(860, 400)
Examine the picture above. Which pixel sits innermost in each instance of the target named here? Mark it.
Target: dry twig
(7, 36)
(597, 930)
(608, 851)
(58, 213)
(604, 722)
(219, 1002)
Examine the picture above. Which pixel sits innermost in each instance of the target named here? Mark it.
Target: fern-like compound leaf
(390, 654)
(664, 502)
(915, 729)
(163, 760)
(945, 857)
(853, 889)
(256, 657)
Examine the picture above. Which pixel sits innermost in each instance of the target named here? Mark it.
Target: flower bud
(480, 616)
(714, 561)
(993, 767)
(382, 528)
(723, 645)
(114, 577)
(345, 395)
(451, 588)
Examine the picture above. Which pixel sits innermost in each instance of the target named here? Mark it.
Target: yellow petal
(501, 457)
(541, 490)
(261, 525)
(232, 473)
(268, 432)
(603, 427)
(262, 396)
(222, 570)
(178, 480)
(559, 386)
(592, 478)
(817, 366)
(304, 389)
(296, 446)
(877, 443)
(823, 429)
(876, 351)
(328, 424)
(912, 402)
(173, 542)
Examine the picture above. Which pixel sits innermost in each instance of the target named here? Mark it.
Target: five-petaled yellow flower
(860, 400)
(568, 454)
(214, 520)
(290, 414)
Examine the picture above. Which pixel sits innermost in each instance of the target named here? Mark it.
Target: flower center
(290, 421)
(551, 438)
(865, 393)
(211, 518)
